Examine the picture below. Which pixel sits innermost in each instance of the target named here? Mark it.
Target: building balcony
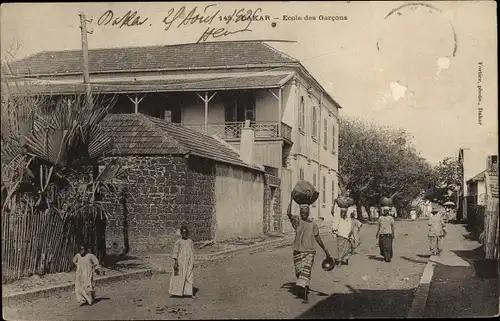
(231, 131)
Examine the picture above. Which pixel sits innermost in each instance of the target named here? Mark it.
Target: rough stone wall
(278, 216)
(200, 204)
(272, 220)
(267, 199)
(162, 192)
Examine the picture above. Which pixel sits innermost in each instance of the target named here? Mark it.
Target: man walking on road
(437, 230)
(306, 232)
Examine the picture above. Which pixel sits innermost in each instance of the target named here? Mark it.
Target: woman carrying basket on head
(306, 235)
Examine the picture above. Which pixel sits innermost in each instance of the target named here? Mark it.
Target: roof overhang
(257, 80)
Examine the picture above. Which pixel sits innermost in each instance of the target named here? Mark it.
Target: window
(239, 107)
(325, 134)
(301, 174)
(302, 114)
(333, 191)
(315, 122)
(334, 146)
(324, 189)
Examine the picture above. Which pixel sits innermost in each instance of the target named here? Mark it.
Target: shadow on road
(484, 269)
(362, 303)
(425, 256)
(376, 258)
(476, 254)
(460, 291)
(298, 291)
(469, 236)
(97, 300)
(413, 260)
(112, 261)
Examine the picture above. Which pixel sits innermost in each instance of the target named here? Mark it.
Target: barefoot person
(306, 233)
(181, 281)
(343, 231)
(86, 263)
(385, 234)
(356, 230)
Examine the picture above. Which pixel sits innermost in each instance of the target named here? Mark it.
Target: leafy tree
(380, 161)
(449, 173)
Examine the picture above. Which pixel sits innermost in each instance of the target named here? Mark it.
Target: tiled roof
(478, 177)
(138, 134)
(183, 56)
(272, 80)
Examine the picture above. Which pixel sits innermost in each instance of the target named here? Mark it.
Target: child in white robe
(181, 281)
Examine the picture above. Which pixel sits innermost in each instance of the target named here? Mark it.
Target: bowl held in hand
(328, 264)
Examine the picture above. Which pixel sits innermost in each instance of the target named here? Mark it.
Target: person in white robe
(86, 264)
(181, 281)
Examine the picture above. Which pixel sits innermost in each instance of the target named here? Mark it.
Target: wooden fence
(491, 229)
(40, 242)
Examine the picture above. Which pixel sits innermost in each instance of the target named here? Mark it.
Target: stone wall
(272, 219)
(161, 193)
(266, 227)
(278, 216)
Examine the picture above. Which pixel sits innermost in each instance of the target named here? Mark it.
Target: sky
(414, 67)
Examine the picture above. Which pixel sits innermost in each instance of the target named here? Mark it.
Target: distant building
(482, 211)
(485, 184)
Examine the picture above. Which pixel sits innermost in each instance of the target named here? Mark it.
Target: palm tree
(50, 157)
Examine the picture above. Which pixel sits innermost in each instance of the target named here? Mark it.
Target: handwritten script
(240, 20)
(130, 19)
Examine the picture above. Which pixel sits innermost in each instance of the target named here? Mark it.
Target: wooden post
(278, 97)
(136, 103)
(280, 109)
(206, 100)
(85, 51)
(206, 112)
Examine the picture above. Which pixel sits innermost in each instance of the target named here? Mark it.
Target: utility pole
(461, 159)
(85, 51)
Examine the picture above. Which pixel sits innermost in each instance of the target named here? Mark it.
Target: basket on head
(344, 202)
(304, 193)
(449, 204)
(384, 201)
(328, 264)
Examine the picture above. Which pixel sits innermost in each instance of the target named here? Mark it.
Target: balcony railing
(232, 130)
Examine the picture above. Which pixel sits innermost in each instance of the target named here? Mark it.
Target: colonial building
(213, 88)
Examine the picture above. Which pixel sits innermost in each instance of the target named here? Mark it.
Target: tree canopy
(448, 173)
(378, 161)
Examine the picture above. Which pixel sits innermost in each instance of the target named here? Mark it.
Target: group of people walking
(346, 229)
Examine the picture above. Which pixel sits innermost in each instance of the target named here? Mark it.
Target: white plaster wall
(239, 203)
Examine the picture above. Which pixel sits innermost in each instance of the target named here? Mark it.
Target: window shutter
(325, 133)
(302, 114)
(324, 189)
(333, 139)
(315, 122)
